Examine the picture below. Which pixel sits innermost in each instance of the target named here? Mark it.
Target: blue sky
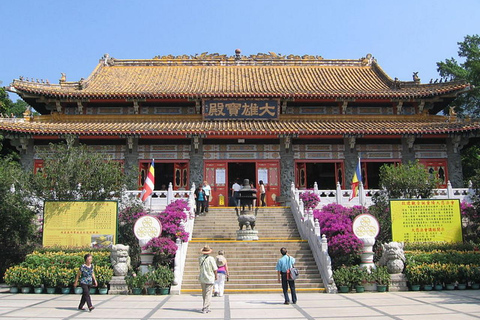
(41, 39)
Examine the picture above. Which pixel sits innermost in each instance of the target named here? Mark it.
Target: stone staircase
(251, 263)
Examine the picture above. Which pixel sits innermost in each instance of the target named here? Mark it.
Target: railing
(310, 230)
(158, 202)
(161, 198)
(344, 196)
(182, 247)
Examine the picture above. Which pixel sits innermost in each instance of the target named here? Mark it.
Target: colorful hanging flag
(149, 183)
(357, 177)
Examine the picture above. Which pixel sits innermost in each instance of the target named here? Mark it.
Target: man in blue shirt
(283, 264)
(200, 198)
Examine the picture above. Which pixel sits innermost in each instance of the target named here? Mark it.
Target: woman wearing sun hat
(207, 277)
(222, 273)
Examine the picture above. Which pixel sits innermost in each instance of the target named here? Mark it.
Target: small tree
(17, 229)
(72, 172)
(404, 181)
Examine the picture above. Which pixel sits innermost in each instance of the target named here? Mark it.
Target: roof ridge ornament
(107, 60)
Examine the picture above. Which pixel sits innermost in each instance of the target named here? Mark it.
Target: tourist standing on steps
(283, 264)
(207, 277)
(208, 192)
(200, 197)
(87, 278)
(222, 274)
(236, 192)
(262, 193)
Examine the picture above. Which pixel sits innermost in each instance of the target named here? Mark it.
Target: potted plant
(414, 276)
(66, 277)
(151, 280)
(163, 278)
(24, 279)
(382, 278)
(50, 279)
(136, 282)
(463, 273)
(342, 278)
(450, 275)
(36, 279)
(12, 278)
(474, 277)
(359, 278)
(104, 276)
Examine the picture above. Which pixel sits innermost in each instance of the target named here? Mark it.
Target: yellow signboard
(426, 220)
(80, 223)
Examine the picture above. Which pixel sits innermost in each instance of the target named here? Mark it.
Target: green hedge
(62, 259)
(443, 257)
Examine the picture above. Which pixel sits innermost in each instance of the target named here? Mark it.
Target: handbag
(292, 273)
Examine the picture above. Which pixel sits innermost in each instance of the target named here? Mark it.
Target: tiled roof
(220, 76)
(154, 126)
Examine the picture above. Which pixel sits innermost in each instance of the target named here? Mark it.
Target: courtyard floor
(391, 305)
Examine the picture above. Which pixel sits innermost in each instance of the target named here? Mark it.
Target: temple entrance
(325, 174)
(222, 174)
(371, 173)
(237, 172)
(165, 173)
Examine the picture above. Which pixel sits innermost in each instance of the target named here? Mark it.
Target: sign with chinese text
(365, 226)
(426, 220)
(80, 223)
(240, 109)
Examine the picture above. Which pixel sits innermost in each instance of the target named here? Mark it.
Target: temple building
(280, 119)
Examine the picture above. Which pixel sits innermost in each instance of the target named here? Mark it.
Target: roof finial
(237, 54)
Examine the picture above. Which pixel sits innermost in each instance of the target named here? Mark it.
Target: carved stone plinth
(398, 283)
(247, 235)
(118, 285)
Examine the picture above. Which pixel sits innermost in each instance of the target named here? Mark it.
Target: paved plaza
(402, 305)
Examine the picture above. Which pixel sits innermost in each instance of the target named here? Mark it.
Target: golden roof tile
(220, 76)
(188, 125)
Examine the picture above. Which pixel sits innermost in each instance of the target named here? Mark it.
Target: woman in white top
(262, 193)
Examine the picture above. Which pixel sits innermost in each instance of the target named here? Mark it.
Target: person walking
(283, 264)
(236, 192)
(87, 278)
(208, 192)
(208, 276)
(200, 197)
(262, 193)
(222, 274)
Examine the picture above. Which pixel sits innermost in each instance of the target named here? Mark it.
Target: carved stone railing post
(338, 193)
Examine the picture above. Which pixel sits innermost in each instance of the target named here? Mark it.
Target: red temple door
(180, 174)
(301, 175)
(269, 172)
(439, 168)
(216, 175)
(144, 166)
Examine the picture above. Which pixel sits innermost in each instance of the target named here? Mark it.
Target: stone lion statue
(120, 259)
(393, 257)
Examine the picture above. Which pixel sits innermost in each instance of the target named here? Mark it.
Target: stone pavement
(403, 305)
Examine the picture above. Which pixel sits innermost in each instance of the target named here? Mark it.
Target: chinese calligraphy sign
(426, 220)
(240, 109)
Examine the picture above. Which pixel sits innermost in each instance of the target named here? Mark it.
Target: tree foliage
(468, 70)
(76, 172)
(10, 108)
(404, 181)
(17, 227)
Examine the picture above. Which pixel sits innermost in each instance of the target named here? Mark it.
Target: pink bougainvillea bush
(310, 199)
(336, 223)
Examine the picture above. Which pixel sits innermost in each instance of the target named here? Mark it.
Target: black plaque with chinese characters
(240, 109)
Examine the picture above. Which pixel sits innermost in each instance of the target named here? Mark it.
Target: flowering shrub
(163, 248)
(310, 199)
(336, 223)
(172, 219)
(130, 214)
(470, 221)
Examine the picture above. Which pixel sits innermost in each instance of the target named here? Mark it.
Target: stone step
(251, 263)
